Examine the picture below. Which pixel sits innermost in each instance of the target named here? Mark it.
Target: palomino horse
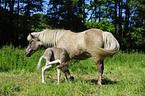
(80, 46)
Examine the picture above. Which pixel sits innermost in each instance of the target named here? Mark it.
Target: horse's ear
(31, 35)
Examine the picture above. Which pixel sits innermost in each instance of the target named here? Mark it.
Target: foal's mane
(49, 36)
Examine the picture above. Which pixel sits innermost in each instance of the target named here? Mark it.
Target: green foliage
(124, 74)
(39, 22)
(103, 25)
(13, 58)
(138, 35)
(67, 14)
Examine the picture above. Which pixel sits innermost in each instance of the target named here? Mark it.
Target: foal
(59, 55)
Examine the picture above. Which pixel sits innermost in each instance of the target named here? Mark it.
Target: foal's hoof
(71, 78)
(44, 82)
(98, 86)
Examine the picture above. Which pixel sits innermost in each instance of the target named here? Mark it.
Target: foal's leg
(54, 62)
(43, 69)
(61, 65)
(58, 75)
(67, 73)
(100, 67)
(39, 63)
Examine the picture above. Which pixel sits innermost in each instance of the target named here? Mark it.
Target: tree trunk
(116, 25)
(5, 4)
(126, 27)
(120, 23)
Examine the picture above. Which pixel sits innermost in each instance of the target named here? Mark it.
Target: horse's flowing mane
(49, 36)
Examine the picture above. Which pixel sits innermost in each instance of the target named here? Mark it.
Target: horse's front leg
(100, 67)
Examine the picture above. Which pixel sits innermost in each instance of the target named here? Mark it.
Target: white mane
(48, 36)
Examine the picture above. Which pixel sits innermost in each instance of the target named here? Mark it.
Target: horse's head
(33, 46)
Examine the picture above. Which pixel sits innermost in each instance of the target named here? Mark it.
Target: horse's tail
(111, 45)
(39, 63)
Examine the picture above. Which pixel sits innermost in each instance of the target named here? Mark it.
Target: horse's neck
(52, 37)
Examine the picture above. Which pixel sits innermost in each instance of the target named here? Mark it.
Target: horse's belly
(80, 56)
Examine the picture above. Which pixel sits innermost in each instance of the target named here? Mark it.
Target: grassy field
(124, 75)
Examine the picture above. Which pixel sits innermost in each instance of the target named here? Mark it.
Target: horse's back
(93, 38)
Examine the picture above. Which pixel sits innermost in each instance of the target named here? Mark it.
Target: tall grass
(124, 75)
(14, 58)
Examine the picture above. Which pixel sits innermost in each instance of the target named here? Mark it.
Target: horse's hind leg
(100, 67)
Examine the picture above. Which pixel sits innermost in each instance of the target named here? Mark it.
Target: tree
(138, 24)
(67, 14)
(39, 22)
(14, 27)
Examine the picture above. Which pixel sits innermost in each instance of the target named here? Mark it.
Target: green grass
(124, 75)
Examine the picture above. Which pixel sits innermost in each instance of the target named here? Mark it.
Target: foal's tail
(111, 45)
(39, 63)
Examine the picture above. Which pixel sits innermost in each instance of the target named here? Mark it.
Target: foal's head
(33, 46)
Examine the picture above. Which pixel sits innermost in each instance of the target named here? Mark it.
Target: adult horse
(80, 46)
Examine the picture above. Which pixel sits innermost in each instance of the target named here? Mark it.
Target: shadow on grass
(105, 81)
(4, 69)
